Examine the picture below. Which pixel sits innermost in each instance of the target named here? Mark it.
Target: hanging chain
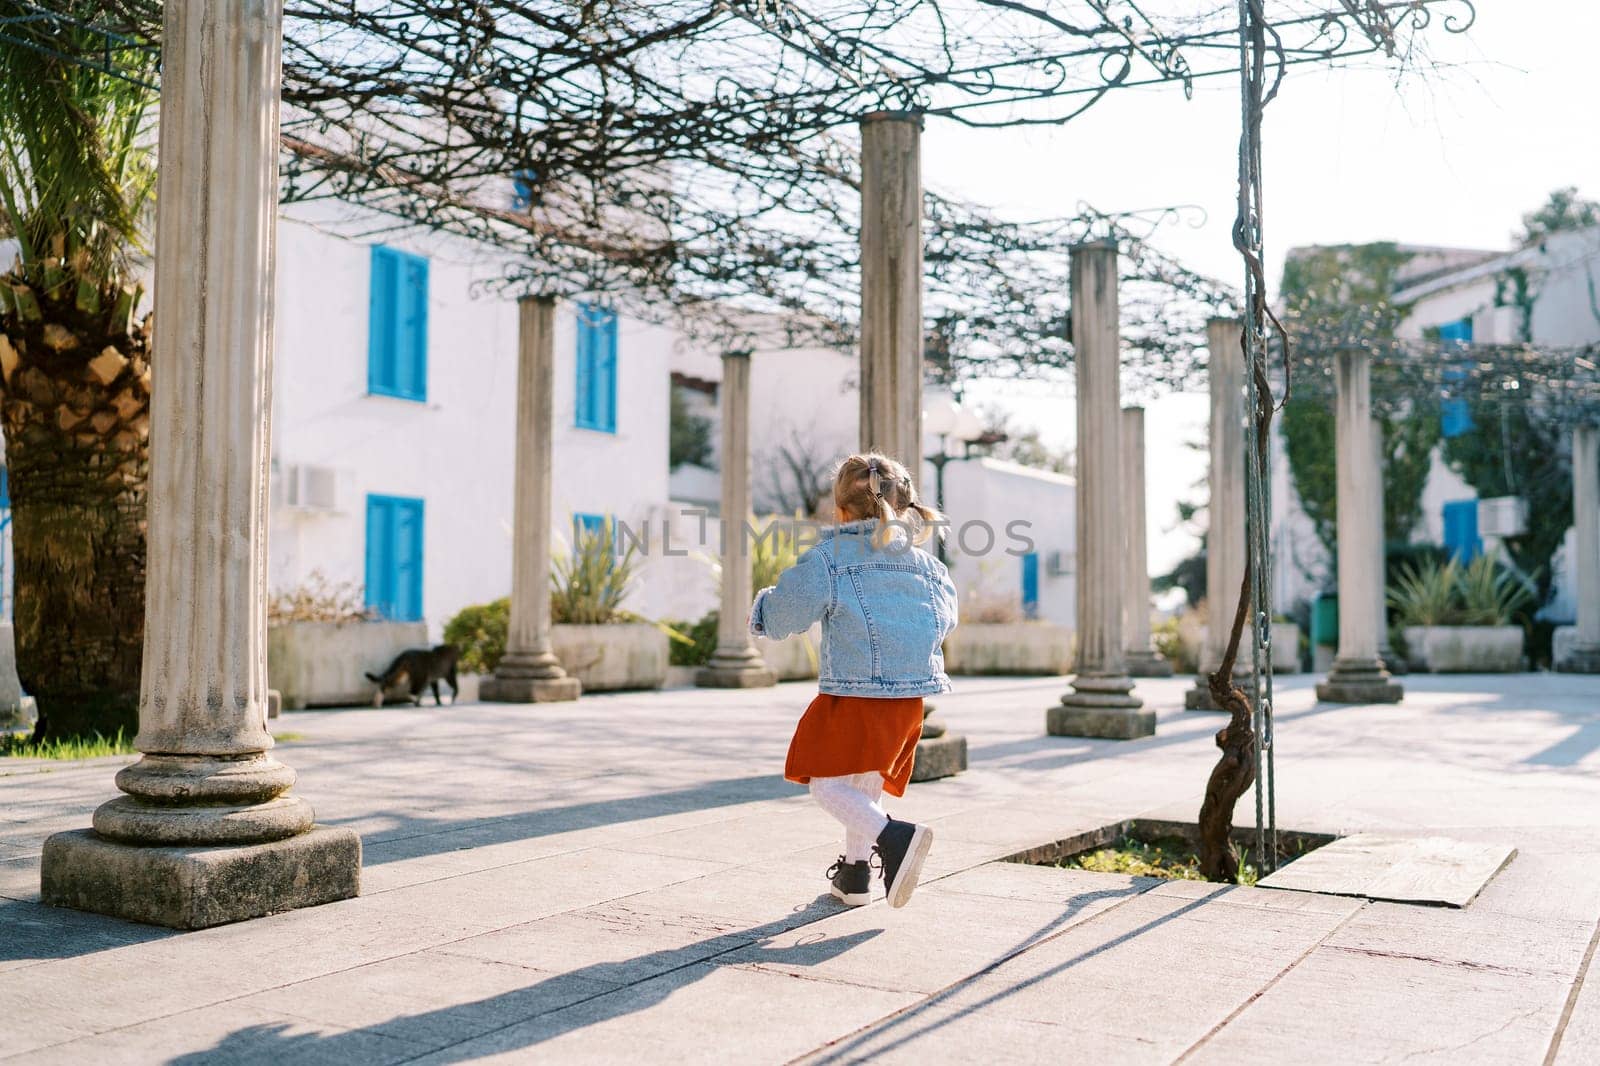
(1255, 94)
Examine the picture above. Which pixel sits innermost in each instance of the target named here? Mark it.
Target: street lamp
(952, 424)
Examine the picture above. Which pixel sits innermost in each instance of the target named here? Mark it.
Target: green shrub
(1170, 643)
(480, 634)
(773, 551)
(701, 641)
(1427, 594)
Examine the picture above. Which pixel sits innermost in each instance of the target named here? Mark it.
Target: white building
(1472, 296)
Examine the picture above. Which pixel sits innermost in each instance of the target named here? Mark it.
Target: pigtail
(876, 486)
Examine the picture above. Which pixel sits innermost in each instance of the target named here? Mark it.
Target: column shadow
(669, 971)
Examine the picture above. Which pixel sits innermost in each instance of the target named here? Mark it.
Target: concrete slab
(430, 999)
(666, 871)
(1350, 1007)
(714, 1014)
(1430, 869)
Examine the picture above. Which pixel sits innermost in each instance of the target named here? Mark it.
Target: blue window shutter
(608, 375)
(1455, 417)
(408, 560)
(583, 524)
(380, 592)
(413, 329)
(382, 367)
(397, 328)
(395, 557)
(1461, 530)
(584, 414)
(1030, 584)
(522, 183)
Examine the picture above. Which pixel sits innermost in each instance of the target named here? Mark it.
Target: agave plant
(590, 583)
(1427, 594)
(1490, 594)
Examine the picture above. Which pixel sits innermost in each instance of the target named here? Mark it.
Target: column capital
(891, 115)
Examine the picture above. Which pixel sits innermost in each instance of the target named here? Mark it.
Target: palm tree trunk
(75, 409)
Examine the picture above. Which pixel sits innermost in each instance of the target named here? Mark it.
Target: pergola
(719, 183)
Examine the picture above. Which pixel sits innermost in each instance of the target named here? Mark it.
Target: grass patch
(1169, 858)
(288, 738)
(94, 746)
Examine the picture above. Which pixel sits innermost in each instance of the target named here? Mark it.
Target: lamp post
(951, 423)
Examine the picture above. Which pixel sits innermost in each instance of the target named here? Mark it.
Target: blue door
(1461, 530)
(1030, 585)
(394, 557)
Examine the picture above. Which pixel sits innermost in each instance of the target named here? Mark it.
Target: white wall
(992, 494)
(455, 451)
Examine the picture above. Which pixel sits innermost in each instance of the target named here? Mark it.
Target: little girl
(886, 607)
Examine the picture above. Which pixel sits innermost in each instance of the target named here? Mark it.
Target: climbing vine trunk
(75, 409)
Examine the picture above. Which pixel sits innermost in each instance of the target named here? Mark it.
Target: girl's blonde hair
(875, 486)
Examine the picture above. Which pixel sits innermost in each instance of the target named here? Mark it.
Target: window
(394, 557)
(1461, 530)
(585, 524)
(597, 368)
(397, 325)
(1030, 585)
(522, 184)
(1455, 417)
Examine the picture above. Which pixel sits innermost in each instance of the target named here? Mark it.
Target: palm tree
(76, 185)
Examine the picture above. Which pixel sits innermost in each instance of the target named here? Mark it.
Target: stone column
(1358, 674)
(1225, 535)
(1585, 655)
(1101, 703)
(1143, 660)
(892, 335)
(208, 832)
(530, 672)
(736, 663)
(1381, 572)
(891, 286)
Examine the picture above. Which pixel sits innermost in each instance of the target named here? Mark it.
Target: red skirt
(840, 735)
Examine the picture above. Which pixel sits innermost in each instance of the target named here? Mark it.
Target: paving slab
(713, 1014)
(1407, 869)
(1165, 968)
(1340, 1006)
(431, 999)
(1578, 1040)
(627, 877)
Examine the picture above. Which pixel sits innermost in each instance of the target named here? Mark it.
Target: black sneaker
(902, 848)
(851, 882)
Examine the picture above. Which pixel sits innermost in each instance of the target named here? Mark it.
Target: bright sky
(1452, 157)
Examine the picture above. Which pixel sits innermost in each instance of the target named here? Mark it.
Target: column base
(1147, 662)
(1101, 706)
(941, 756)
(497, 689)
(1359, 681)
(198, 887)
(1393, 661)
(743, 669)
(1582, 659)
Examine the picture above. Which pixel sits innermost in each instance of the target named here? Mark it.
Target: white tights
(853, 799)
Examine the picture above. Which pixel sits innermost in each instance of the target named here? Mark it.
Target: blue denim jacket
(885, 612)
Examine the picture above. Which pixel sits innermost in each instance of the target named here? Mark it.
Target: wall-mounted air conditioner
(305, 487)
(1502, 516)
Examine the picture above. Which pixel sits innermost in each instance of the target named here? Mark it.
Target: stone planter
(321, 664)
(793, 658)
(1464, 649)
(1041, 649)
(1285, 648)
(612, 658)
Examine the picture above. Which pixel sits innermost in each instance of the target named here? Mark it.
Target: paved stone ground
(628, 879)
